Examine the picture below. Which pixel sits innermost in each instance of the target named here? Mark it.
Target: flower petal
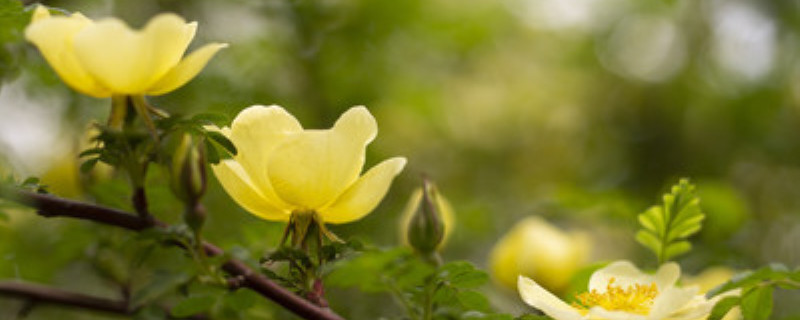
(238, 185)
(670, 300)
(255, 132)
(187, 69)
(311, 169)
(539, 298)
(600, 313)
(54, 38)
(128, 61)
(365, 194)
(623, 272)
(626, 274)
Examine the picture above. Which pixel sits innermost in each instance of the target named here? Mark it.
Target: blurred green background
(580, 111)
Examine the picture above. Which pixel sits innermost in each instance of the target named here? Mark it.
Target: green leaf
(473, 300)
(532, 317)
(757, 303)
(462, 274)
(160, 283)
(222, 141)
(210, 118)
(666, 227)
(773, 274)
(241, 299)
(723, 307)
(88, 165)
(193, 305)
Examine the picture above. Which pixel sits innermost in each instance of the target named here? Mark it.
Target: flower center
(636, 298)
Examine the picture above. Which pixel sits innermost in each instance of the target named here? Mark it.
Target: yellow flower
(537, 249)
(282, 169)
(620, 291)
(105, 57)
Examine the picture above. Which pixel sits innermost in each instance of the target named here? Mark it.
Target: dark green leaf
(159, 284)
(722, 307)
(212, 155)
(210, 118)
(88, 165)
(222, 141)
(193, 305)
(757, 303)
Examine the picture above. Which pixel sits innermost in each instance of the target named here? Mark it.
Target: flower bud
(189, 169)
(427, 220)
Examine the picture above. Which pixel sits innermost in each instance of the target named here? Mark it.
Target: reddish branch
(37, 293)
(51, 206)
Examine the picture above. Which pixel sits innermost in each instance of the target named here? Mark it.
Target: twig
(51, 206)
(38, 293)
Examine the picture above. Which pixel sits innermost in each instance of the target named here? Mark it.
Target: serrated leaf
(723, 307)
(773, 274)
(193, 305)
(652, 219)
(666, 227)
(649, 240)
(757, 303)
(677, 248)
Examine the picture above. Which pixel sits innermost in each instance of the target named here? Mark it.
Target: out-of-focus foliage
(578, 111)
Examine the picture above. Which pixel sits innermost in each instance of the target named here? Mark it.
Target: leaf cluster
(756, 289)
(666, 227)
(449, 291)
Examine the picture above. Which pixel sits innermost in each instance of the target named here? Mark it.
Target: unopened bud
(189, 169)
(426, 219)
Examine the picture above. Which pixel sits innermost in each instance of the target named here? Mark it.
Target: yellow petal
(40, 13)
(364, 195)
(187, 69)
(311, 169)
(671, 300)
(54, 38)
(128, 61)
(238, 185)
(255, 132)
(626, 274)
(539, 298)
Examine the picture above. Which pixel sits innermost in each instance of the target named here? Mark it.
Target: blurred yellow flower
(105, 57)
(620, 291)
(537, 249)
(282, 169)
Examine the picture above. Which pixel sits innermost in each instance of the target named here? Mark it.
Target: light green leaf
(666, 227)
(757, 303)
(473, 300)
(723, 307)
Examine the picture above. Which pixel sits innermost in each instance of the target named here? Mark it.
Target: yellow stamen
(636, 298)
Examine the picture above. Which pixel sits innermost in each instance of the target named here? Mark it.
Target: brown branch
(51, 206)
(38, 293)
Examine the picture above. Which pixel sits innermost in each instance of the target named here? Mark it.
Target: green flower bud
(189, 169)
(425, 229)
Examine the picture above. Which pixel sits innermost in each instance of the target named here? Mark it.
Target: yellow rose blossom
(535, 248)
(105, 57)
(620, 291)
(281, 169)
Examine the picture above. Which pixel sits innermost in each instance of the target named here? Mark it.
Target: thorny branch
(51, 206)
